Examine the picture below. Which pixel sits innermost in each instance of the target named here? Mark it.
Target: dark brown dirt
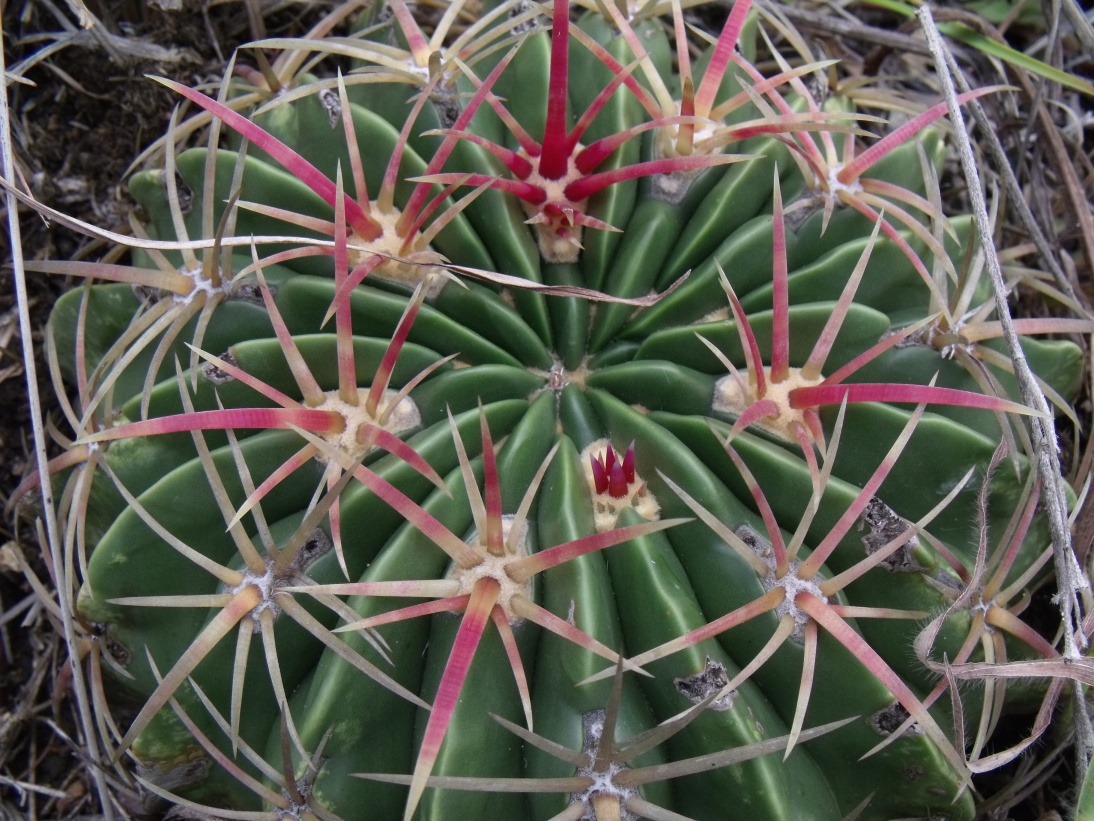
(76, 130)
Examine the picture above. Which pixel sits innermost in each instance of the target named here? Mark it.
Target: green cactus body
(255, 663)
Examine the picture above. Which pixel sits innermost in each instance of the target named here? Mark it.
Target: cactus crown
(437, 469)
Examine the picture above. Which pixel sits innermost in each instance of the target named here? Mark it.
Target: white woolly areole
(606, 508)
(494, 567)
(669, 134)
(983, 607)
(790, 582)
(729, 398)
(407, 268)
(552, 246)
(793, 586)
(558, 377)
(603, 781)
(269, 582)
(672, 187)
(201, 286)
(295, 811)
(266, 584)
(835, 186)
(403, 417)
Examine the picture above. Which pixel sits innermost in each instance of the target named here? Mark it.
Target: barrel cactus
(473, 435)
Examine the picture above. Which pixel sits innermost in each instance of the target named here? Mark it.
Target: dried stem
(1069, 576)
(89, 741)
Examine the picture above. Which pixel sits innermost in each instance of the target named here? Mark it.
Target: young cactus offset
(386, 499)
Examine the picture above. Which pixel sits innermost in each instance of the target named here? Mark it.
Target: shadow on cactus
(436, 598)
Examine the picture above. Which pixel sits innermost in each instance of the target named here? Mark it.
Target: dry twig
(1069, 576)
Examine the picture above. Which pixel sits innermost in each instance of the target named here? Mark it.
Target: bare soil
(82, 117)
(76, 130)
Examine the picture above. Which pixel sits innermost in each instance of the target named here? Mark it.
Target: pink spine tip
(617, 482)
(600, 475)
(628, 464)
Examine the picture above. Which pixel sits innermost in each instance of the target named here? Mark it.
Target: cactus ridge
(664, 513)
